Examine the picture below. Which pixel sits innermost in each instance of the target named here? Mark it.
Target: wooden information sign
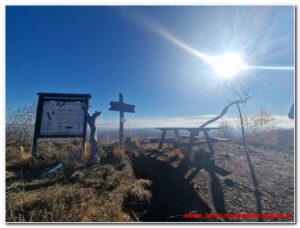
(60, 115)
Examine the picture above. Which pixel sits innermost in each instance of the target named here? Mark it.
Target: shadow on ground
(173, 195)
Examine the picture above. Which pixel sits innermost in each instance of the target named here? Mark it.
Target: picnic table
(193, 137)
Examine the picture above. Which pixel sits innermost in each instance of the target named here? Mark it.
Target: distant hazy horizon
(281, 121)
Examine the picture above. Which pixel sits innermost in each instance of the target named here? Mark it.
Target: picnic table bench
(193, 137)
(194, 132)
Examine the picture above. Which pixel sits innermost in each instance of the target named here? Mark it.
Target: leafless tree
(263, 120)
(20, 123)
(248, 123)
(226, 129)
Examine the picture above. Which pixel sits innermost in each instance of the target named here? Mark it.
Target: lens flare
(227, 65)
(285, 68)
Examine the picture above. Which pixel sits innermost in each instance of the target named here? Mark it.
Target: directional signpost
(121, 107)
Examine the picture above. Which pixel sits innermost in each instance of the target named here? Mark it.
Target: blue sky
(107, 50)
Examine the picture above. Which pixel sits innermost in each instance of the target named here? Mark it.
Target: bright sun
(228, 64)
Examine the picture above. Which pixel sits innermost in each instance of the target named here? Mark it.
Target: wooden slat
(154, 140)
(175, 141)
(165, 140)
(220, 139)
(198, 139)
(186, 128)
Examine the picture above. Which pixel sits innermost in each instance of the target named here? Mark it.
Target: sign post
(60, 115)
(121, 107)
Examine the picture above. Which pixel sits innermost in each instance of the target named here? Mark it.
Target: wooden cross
(121, 107)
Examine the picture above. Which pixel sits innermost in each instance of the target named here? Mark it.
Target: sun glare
(227, 65)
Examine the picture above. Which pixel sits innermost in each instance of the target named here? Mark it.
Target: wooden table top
(187, 128)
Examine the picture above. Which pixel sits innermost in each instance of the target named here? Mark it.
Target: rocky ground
(260, 181)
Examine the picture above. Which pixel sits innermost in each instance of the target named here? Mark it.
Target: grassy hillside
(78, 193)
(141, 183)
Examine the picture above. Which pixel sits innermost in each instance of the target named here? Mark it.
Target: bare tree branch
(224, 111)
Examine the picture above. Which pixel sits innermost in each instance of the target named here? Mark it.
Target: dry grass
(95, 193)
(279, 138)
(20, 158)
(119, 153)
(57, 203)
(25, 156)
(138, 191)
(110, 192)
(177, 154)
(86, 153)
(138, 198)
(17, 153)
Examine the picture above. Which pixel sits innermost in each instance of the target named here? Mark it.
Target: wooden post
(121, 107)
(85, 108)
(93, 140)
(177, 133)
(163, 136)
(192, 139)
(209, 143)
(37, 127)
